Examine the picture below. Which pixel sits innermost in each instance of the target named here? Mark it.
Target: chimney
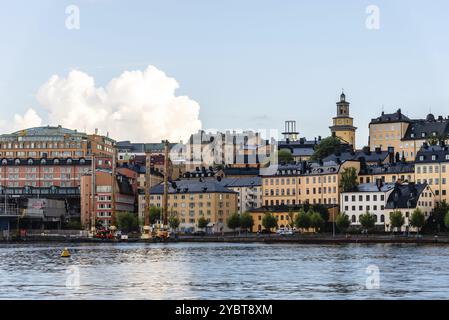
(391, 155)
(379, 183)
(377, 150)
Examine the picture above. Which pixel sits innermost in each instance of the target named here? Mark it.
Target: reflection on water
(223, 271)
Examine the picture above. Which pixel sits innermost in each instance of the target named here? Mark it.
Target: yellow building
(191, 199)
(343, 125)
(432, 167)
(388, 173)
(282, 216)
(311, 183)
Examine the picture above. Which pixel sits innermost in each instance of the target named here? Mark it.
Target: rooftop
(191, 186)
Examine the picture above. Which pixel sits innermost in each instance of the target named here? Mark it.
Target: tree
(326, 147)
(155, 214)
(285, 156)
(127, 221)
(302, 220)
(269, 221)
(446, 220)
(418, 219)
(316, 221)
(440, 213)
(233, 221)
(368, 221)
(173, 222)
(349, 181)
(291, 218)
(246, 221)
(396, 220)
(202, 222)
(342, 222)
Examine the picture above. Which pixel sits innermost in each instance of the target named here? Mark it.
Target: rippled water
(222, 271)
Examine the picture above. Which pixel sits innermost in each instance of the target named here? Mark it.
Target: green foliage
(269, 221)
(127, 221)
(155, 214)
(291, 218)
(349, 181)
(367, 220)
(173, 222)
(326, 147)
(446, 220)
(285, 155)
(342, 222)
(302, 220)
(202, 223)
(440, 213)
(397, 220)
(233, 221)
(316, 221)
(417, 219)
(246, 221)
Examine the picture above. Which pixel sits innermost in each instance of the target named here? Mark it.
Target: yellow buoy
(65, 253)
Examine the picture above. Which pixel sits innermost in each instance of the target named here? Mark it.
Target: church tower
(343, 125)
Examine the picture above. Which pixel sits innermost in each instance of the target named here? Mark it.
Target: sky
(231, 64)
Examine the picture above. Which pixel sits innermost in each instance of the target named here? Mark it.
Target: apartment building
(248, 189)
(382, 199)
(388, 173)
(101, 205)
(191, 199)
(432, 167)
(313, 183)
(54, 142)
(43, 173)
(406, 135)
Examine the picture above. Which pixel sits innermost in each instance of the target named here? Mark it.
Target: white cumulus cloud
(141, 106)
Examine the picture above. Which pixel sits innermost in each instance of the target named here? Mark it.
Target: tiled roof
(405, 196)
(370, 156)
(398, 168)
(390, 117)
(432, 154)
(241, 182)
(423, 129)
(191, 186)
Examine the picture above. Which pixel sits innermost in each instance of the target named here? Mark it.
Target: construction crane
(146, 228)
(162, 231)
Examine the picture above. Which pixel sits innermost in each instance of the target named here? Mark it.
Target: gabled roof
(390, 117)
(423, 129)
(432, 154)
(405, 196)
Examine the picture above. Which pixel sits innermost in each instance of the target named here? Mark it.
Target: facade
(101, 205)
(343, 125)
(382, 199)
(44, 172)
(371, 197)
(388, 173)
(432, 167)
(249, 191)
(54, 142)
(406, 135)
(313, 183)
(191, 199)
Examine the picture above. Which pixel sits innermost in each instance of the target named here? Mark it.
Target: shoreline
(441, 240)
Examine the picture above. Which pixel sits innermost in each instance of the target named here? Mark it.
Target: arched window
(82, 161)
(69, 161)
(43, 161)
(354, 219)
(56, 161)
(30, 161)
(4, 161)
(17, 162)
(382, 218)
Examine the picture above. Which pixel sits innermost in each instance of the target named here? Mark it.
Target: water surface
(223, 271)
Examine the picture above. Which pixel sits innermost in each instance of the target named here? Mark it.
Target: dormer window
(423, 134)
(447, 157)
(412, 135)
(43, 161)
(30, 161)
(421, 158)
(4, 162)
(56, 161)
(434, 157)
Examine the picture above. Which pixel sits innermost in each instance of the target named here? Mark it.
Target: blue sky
(249, 64)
